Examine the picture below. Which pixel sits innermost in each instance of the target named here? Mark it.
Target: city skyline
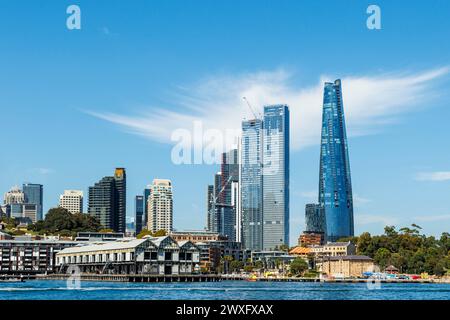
(111, 94)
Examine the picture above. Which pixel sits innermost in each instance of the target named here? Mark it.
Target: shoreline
(132, 278)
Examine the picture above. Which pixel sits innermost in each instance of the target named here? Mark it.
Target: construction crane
(214, 203)
(251, 109)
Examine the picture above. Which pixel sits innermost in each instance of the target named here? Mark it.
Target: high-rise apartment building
(275, 176)
(120, 198)
(335, 187)
(72, 201)
(101, 203)
(34, 194)
(160, 206)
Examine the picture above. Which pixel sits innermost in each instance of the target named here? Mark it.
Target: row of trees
(229, 265)
(59, 221)
(406, 249)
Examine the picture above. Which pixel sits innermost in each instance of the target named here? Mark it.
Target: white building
(72, 200)
(14, 196)
(160, 206)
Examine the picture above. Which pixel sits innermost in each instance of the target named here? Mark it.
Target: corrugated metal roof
(101, 246)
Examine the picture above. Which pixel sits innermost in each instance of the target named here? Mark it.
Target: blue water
(228, 290)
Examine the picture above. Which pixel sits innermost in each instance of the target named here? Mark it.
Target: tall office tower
(276, 177)
(14, 196)
(335, 187)
(101, 203)
(139, 213)
(34, 194)
(146, 196)
(210, 207)
(252, 184)
(120, 216)
(72, 200)
(160, 206)
(315, 218)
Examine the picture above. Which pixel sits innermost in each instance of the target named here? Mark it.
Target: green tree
(298, 266)
(382, 257)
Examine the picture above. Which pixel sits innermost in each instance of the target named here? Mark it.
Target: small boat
(251, 279)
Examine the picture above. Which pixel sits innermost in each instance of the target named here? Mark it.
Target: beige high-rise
(160, 206)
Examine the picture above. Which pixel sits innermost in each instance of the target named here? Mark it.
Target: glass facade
(275, 176)
(139, 213)
(335, 188)
(146, 196)
(34, 194)
(251, 184)
(120, 198)
(315, 218)
(101, 203)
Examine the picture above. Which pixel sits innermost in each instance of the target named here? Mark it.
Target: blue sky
(76, 104)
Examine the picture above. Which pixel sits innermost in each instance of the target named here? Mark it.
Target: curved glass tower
(335, 186)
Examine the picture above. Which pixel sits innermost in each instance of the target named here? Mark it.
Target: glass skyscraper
(252, 184)
(101, 203)
(139, 213)
(34, 194)
(120, 215)
(335, 187)
(275, 176)
(107, 201)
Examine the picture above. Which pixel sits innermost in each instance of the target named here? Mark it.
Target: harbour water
(226, 290)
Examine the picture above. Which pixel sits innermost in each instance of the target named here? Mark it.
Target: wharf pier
(149, 278)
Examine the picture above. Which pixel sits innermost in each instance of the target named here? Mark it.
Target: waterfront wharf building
(30, 256)
(72, 201)
(345, 266)
(335, 186)
(159, 256)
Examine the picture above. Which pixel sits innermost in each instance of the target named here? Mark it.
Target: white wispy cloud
(433, 176)
(358, 200)
(432, 218)
(370, 102)
(43, 171)
(364, 219)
